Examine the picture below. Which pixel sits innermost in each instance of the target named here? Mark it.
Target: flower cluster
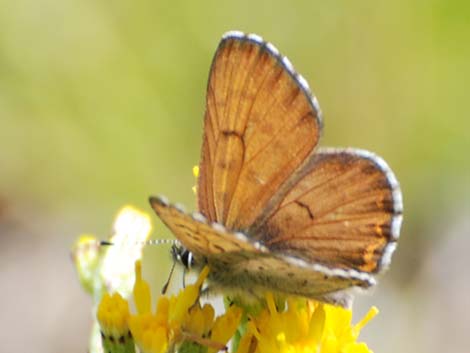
(303, 326)
(179, 322)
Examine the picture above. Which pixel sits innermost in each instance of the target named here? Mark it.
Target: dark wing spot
(218, 247)
(232, 133)
(305, 207)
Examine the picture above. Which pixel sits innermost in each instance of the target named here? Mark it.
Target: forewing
(196, 234)
(344, 211)
(261, 123)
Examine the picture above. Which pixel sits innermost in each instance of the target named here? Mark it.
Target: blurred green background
(101, 104)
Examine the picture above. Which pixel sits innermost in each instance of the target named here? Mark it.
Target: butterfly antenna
(167, 283)
(146, 242)
(160, 241)
(173, 242)
(105, 243)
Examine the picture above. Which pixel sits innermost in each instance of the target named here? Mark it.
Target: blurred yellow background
(101, 104)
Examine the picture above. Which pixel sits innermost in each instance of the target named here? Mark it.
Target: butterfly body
(276, 213)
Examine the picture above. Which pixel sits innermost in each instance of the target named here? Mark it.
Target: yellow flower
(179, 322)
(304, 327)
(113, 315)
(109, 266)
(86, 255)
(131, 230)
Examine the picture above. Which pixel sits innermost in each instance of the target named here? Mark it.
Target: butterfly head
(182, 256)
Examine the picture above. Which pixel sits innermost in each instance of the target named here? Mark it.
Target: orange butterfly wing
(198, 234)
(261, 124)
(315, 223)
(344, 211)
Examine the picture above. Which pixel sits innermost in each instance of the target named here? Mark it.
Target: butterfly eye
(182, 256)
(187, 259)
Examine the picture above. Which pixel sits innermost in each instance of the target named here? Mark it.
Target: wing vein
(224, 117)
(246, 80)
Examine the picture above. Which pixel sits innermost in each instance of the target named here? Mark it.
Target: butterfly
(276, 213)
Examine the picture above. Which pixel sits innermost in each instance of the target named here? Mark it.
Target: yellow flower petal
(226, 325)
(208, 314)
(163, 308)
(141, 291)
(159, 340)
(194, 321)
(369, 316)
(317, 324)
